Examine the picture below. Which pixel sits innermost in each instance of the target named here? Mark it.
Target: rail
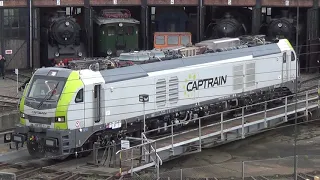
(220, 126)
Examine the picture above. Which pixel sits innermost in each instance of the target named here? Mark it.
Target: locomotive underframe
(58, 144)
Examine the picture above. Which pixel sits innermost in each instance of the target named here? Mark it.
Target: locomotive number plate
(41, 125)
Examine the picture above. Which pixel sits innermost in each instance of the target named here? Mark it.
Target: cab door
(285, 67)
(97, 104)
(289, 65)
(293, 65)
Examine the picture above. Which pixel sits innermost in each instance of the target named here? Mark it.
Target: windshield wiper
(46, 98)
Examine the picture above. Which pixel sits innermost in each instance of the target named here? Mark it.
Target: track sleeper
(73, 177)
(62, 176)
(26, 174)
(23, 171)
(263, 177)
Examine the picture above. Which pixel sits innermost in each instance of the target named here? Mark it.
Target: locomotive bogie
(104, 105)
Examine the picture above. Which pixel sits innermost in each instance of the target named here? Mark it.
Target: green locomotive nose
(117, 32)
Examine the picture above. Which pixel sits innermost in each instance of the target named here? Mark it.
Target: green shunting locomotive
(116, 32)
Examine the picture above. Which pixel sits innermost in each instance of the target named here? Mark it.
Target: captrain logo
(191, 77)
(192, 84)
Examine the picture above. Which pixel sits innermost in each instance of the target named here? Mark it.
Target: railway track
(8, 103)
(22, 78)
(50, 171)
(301, 176)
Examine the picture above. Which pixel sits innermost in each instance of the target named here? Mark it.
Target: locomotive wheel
(87, 149)
(36, 149)
(84, 151)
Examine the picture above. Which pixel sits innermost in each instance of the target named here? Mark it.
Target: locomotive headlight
(67, 23)
(79, 54)
(109, 52)
(8, 136)
(22, 115)
(59, 119)
(120, 24)
(56, 54)
(279, 25)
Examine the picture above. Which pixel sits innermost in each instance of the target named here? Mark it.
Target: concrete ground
(9, 116)
(8, 86)
(274, 145)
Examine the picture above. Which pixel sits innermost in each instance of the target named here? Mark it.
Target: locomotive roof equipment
(120, 16)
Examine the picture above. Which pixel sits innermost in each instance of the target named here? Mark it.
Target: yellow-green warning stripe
(73, 83)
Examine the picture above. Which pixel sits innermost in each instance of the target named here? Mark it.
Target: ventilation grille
(173, 90)
(250, 75)
(161, 92)
(237, 77)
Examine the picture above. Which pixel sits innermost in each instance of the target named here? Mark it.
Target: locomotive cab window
(111, 31)
(284, 57)
(129, 30)
(96, 90)
(79, 97)
(292, 56)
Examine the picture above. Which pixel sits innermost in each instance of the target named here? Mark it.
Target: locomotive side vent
(173, 90)
(237, 77)
(250, 75)
(161, 92)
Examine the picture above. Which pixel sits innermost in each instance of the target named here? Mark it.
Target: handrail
(229, 120)
(307, 98)
(226, 121)
(271, 109)
(153, 149)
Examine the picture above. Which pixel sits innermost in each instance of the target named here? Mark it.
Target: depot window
(15, 23)
(79, 97)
